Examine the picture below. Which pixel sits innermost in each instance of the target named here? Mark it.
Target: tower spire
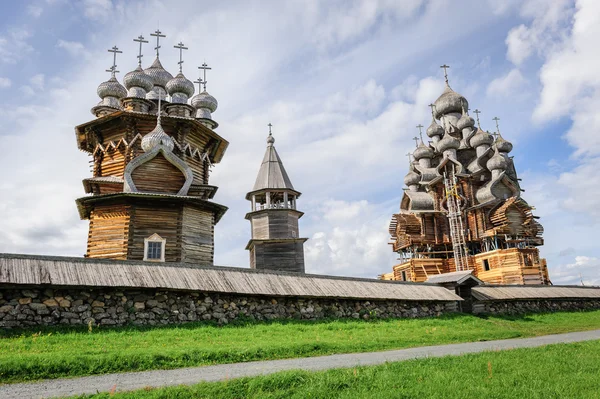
(140, 40)
(181, 47)
(158, 34)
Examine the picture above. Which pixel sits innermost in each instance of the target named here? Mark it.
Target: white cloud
(27, 91)
(549, 20)
(34, 10)
(97, 9)
(75, 49)
(507, 85)
(5, 83)
(14, 46)
(37, 81)
(584, 270)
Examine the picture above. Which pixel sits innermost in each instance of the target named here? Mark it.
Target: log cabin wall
(279, 255)
(158, 176)
(109, 231)
(148, 219)
(197, 236)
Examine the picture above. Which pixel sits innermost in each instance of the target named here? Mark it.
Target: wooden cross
(181, 48)
(497, 127)
(113, 68)
(478, 112)
(409, 155)
(199, 81)
(140, 40)
(158, 34)
(270, 126)
(419, 126)
(432, 106)
(416, 139)
(204, 67)
(445, 71)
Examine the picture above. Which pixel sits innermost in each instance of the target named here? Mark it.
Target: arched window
(154, 248)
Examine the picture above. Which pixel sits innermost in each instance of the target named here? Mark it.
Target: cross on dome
(204, 67)
(478, 112)
(140, 40)
(181, 47)
(416, 139)
(420, 127)
(445, 72)
(496, 119)
(158, 34)
(113, 68)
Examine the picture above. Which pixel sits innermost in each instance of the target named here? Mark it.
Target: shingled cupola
(149, 197)
(275, 242)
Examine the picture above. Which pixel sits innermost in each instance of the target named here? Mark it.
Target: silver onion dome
(111, 88)
(465, 121)
(160, 77)
(449, 101)
(205, 100)
(497, 162)
(180, 88)
(137, 83)
(448, 143)
(481, 138)
(270, 139)
(434, 129)
(157, 137)
(411, 178)
(423, 151)
(503, 145)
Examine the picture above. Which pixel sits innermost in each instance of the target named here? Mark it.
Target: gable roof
(85, 272)
(454, 277)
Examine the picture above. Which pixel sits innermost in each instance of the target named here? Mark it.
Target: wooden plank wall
(282, 256)
(147, 219)
(158, 176)
(109, 228)
(260, 226)
(197, 236)
(113, 163)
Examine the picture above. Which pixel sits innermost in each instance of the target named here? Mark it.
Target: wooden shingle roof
(534, 292)
(82, 272)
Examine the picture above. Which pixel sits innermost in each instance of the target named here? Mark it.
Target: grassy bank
(53, 353)
(556, 371)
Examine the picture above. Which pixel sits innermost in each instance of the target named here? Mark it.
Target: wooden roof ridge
(272, 173)
(17, 269)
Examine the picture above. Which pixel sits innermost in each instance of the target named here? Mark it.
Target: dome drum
(180, 110)
(179, 98)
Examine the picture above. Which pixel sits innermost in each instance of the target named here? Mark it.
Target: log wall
(197, 236)
(109, 229)
(158, 176)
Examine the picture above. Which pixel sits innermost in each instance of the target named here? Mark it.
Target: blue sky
(344, 84)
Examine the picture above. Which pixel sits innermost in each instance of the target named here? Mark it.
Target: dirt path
(193, 375)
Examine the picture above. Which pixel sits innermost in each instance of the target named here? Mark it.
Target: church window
(154, 248)
(403, 275)
(486, 265)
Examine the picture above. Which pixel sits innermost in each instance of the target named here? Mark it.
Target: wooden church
(149, 196)
(462, 208)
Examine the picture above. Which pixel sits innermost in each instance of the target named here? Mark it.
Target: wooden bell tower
(275, 242)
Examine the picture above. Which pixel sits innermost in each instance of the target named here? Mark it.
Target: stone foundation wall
(539, 306)
(36, 306)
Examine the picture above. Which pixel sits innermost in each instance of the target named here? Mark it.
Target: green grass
(53, 353)
(555, 371)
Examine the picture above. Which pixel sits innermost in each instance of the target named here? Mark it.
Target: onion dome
(423, 151)
(481, 138)
(465, 121)
(137, 83)
(157, 137)
(270, 139)
(205, 105)
(449, 101)
(497, 162)
(180, 89)
(434, 129)
(412, 178)
(448, 143)
(160, 77)
(503, 145)
(111, 88)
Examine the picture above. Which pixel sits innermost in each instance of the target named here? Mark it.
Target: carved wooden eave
(85, 204)
(88, 138)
